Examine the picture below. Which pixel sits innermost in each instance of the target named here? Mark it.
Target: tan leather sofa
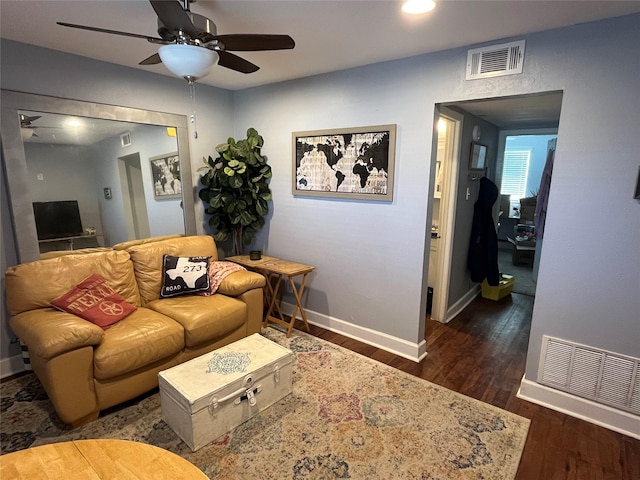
(85, 369)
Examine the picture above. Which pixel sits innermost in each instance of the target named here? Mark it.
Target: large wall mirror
(82, 174)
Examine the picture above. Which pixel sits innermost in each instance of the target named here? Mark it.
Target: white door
(444, 210)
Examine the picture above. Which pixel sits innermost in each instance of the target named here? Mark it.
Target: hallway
(522, 273)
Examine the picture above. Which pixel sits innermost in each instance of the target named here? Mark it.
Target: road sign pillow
(184, 275)
(94, 300)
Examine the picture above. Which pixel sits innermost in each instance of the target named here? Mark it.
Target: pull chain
(192, 93)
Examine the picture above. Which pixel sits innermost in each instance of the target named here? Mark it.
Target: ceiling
(520, 112)
(51, 128)
(330, 35)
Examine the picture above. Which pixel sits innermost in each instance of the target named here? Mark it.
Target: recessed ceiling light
(417, 7)
(73, 122)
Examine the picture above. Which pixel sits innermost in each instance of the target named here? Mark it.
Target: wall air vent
(125, 139)
(604, 377)
(495, 60)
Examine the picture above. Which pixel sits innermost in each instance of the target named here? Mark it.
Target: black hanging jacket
(483, 247)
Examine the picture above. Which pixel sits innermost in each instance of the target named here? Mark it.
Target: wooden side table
(274, 269)
(97, 459)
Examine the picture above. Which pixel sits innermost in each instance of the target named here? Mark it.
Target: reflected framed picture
(351, 163)
(478, 157)
(165, 173)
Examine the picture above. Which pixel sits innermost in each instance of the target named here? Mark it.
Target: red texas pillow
(94, 300)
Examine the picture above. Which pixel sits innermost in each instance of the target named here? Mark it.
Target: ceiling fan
(190, 45)
(27, 129)
(26, 125)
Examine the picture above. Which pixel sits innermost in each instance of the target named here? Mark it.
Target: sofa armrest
(238, 283)
(48, 332)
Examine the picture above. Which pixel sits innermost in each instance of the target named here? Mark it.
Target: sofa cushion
(144, 337)
(130, 243)
(240, 282)
(203, 318)
(94, 300)
(33, 285)
(49, 332)
(63, 253)
(184, 275)
(147, 260)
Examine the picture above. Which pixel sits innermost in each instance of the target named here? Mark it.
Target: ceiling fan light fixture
(26, 133)
(187, 61)
(418, 7)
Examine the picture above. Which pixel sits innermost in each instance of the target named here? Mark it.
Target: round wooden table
(97, 459)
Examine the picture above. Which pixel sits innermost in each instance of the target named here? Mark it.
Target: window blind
(515, 172)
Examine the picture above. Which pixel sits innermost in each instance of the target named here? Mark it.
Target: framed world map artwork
(356, 163)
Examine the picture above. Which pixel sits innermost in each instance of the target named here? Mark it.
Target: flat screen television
(57, 219)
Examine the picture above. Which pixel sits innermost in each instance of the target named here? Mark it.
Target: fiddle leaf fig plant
(236, 190)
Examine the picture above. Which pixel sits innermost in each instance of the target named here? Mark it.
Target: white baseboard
(11, 366)
(602, 415)
(461, 304)
(411, 351)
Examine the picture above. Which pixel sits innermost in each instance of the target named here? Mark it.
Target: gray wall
(68, 173)
(460, 282)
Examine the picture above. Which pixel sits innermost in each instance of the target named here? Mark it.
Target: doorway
(521, 162)
(443, 214)
(134, 202)
(491, 116)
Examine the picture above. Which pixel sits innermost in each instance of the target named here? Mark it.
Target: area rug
(524, 282)
(348, 417)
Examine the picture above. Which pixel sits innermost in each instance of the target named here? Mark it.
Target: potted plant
(236, 190)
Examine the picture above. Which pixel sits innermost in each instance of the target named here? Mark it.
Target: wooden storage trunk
(206, 397)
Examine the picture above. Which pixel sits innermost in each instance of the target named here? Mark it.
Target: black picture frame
(478, 156)
(165, 176)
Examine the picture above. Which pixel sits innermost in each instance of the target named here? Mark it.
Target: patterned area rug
(348, 417)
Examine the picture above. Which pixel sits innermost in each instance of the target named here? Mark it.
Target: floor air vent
(601, 376)
(495, 60)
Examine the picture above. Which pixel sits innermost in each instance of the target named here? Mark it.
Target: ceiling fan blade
(152, 60)
(253, 42)
(27, 120)
(174, 17)
(234, 62)
(113, 32)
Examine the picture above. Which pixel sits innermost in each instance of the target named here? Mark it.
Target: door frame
(448, 203)
(133, 196)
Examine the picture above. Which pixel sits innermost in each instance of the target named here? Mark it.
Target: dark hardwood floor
(482, 353)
